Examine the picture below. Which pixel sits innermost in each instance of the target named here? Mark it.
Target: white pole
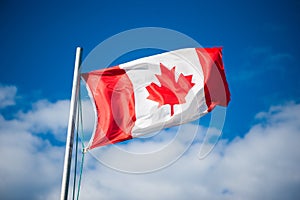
(71, 127)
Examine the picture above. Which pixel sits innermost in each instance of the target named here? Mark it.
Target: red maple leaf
(170, 92)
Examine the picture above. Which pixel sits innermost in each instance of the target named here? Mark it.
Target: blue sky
(38, 40)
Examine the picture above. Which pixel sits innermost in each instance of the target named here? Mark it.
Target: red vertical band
(113, 94)
(215, 84)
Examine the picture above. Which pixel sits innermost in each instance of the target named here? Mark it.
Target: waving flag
(156, 92)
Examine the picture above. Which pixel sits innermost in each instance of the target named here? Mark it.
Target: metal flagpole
(71, 126)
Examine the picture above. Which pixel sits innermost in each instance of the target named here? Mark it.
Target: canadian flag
(156, 92)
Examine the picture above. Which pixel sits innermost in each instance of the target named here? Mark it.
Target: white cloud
(47, 117)
(262, 165)
(7, 95)
(30, 166)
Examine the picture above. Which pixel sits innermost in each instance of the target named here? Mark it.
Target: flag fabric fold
(155, 92)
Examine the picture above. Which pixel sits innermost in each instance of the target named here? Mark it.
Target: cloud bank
(262, 165)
